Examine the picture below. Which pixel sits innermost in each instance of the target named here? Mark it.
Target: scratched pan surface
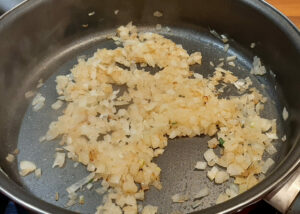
(177, 162)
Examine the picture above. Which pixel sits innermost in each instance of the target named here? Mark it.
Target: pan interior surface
(181, 154)
(43, 39)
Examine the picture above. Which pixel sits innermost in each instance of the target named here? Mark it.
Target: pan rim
(291, 162)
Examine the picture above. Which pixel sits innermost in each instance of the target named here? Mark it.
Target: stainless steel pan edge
(279, 175)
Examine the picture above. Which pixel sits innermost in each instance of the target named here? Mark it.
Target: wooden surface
(291, 8)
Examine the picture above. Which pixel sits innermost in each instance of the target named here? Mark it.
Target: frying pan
(43, 38)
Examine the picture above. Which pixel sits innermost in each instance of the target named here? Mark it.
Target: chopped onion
(74, 187)
(272, 136)
(59, 159)
(91, 13)
(149, 209)
(43, 138)
(26, 167)
(258, 68)
(224, 38)
(158, 27)
(72, 199)
(89, 186)
(213, 143)
(38, 102)
(202, 193)
(201, 165)
(231, 64)
(252, 45)
(226, 47)
(101, 190)
(283, 138)
(139, 195)
(56, 196)
(267, 164)
(271, 149)
(221, 177)
(179, 198)
(57, 104)
(157, 14)
(40, 83)
(38, 173)
(212, 173)
(231, 58)
(210, 157)
(232, 191)
(116, 12)
(285, 114)
(81, 199)
(10, 158)
(29, 94)
(221, 198)
(234, 169)
(16, 151)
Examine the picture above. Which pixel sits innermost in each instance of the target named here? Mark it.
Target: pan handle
(282, 197)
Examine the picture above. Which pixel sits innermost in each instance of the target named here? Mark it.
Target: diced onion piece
(16, 151)
(38, 172)
(201, 165)
(231, 58)
(116, 12)
(252, 45)
(271, 149)
(91, 13)
(43, 138)
(258, 68)
(81, 199)
(272, 136)
(285, 114)
(232, 191)
(158, 27)
(283, 138)
(10, 158)
(212, 173)
(57, 104)
(221, 177)
(56, 196)
(101, 190)
(231, 64)
(149, 209)
(26, 167)
(59, 159)
(89, 186)
(226, 47)
(74, 187)
(234, 169)
(213, 143)
(72, 199)
(210, 157)
(179, 198)
(267, 164)
(202, 193)
(29, 94)
(38, 102)
(157, 14)
(222, 198)
(139, 195)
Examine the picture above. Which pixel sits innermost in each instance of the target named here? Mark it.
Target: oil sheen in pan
(177, 162)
